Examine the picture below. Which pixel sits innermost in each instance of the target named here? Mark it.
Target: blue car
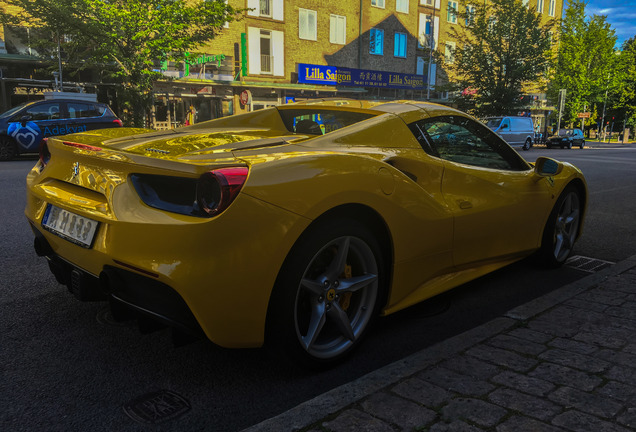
(22, 128)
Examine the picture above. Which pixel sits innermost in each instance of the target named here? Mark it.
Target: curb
(326, 404)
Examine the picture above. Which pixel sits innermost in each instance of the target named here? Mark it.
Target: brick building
(290, 50)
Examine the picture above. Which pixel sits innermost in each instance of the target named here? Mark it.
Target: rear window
(84, 109)
(319, 121)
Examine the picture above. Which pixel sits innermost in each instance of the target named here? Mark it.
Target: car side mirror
(546, 167)
(24, 119)
(504, 126)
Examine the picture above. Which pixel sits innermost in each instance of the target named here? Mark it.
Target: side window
(462, 140)
(47, 111)
(79, 110)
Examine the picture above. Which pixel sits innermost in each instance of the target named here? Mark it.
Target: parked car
(23, 127)
(566, 138)
(265, 228)
(516, 131)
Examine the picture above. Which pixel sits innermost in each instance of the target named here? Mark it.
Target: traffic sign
(583, 115)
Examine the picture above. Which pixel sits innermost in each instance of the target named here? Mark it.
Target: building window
(399, 49)
(427, 31)
(426, 68)
(265, 8)
(540, 6)
(449, 52)
(402, 6)
(426, 2)
(266, 52)
(525, 3)
(307, 24)
(338, 29)
(376, 41)
(451, 13)
(378, 3)
(470, 15)
(552, 8)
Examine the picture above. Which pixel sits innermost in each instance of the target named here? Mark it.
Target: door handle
(464, 205)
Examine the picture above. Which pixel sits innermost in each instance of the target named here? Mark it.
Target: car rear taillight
(81, 146)
(217, 189)
(45, 155)
(118, 122)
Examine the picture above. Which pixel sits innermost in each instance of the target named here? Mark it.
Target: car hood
(185, 143)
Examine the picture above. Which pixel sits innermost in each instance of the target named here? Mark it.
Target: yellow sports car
(294, 226)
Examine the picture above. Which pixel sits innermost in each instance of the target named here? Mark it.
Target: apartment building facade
(291, 50)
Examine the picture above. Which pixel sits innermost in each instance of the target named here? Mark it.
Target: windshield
(12, 111)
(493, 123)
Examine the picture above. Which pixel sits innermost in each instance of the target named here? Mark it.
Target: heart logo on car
(27, 135)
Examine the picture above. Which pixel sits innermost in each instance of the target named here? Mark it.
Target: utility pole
(59, 61)
(603, 117)
(562, 94)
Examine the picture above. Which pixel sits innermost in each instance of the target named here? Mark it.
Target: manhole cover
(590, 265)
(157, 407)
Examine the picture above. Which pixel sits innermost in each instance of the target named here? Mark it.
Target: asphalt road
(64, 366)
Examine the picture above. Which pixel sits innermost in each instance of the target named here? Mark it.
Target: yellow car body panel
(448, 223)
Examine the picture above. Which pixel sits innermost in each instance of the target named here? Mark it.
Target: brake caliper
(345, 298)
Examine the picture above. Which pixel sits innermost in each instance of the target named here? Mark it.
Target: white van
(515, 130)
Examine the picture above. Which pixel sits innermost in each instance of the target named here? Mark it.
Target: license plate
(70, 226)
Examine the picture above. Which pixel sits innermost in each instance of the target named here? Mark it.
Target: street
(67, 366)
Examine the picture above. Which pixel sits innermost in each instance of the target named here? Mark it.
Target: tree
(128, 37)
(625, 95)
(502, 48)
(585, 63)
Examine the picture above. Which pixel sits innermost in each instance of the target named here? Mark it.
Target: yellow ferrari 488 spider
(294, 226)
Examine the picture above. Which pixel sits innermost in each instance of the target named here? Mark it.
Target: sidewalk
(564, 361)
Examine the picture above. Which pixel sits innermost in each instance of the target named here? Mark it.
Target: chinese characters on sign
(334, 75)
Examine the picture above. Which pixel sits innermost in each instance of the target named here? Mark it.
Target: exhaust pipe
(110, 281)
(42, 247)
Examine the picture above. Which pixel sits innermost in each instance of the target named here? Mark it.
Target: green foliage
(128, 37)
(625, 95)
(586, 61)
(504, 49)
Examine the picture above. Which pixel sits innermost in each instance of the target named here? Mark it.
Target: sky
(621, 14)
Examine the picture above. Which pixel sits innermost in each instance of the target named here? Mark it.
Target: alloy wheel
(336, 297)
(566, 226)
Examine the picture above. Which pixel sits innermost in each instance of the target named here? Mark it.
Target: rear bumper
(134, 291)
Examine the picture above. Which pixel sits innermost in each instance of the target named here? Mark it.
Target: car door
(84, 116)
(37, 121)
(506, 132)
(497, 202)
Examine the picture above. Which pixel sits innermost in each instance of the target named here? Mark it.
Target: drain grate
(157, 407)
(590, 265)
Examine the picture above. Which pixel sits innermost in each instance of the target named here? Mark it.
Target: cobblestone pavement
(565, 361)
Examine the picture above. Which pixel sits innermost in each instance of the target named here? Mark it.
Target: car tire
(8, 149)
(562, 228)
(569, 145)
(583, 144)
(327, 295)
(527, 144)
(548, 145)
